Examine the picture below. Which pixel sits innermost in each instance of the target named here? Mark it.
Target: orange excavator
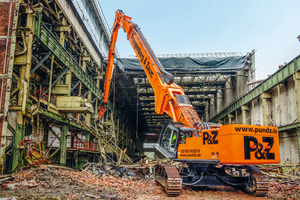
(211, 154)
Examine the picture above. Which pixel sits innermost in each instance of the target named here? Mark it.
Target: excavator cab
(167, 143)
(171, 136)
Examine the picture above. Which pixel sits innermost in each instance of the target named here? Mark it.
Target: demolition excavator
(211, 154)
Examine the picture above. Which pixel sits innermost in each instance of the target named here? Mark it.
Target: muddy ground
(66, 184)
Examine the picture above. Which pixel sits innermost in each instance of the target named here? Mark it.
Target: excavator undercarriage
(242, 177)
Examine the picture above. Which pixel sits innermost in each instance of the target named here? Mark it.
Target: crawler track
(168, 177)
(262, 184)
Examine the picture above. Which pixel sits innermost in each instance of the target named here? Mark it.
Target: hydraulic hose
(190, 184)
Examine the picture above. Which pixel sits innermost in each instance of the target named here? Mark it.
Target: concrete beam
(244, 116)
(230, 117)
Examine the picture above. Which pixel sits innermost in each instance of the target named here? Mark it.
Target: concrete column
(62, 39)
(20, 126)
(62, 34)
(212, 108)
(230, 117)
(279, 102)
(23, 85)
(252, 112)
(69, 81)
(88, 116)
(206, 111)
(236, 116)
(296, 77)
(97, 103)
(264, 96)
(244, 116)
(63, 145)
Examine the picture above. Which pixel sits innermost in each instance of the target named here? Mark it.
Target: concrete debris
(43, 183)
(142, 169)
(23, 184)
(107, 168)
(106, 180)
(288, 189)
(284, 180)
(69, 184)
(281, 170)
(144, 166)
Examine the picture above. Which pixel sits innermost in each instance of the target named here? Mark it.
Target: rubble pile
(108, 180)
(288, 189)
(69, 184)
(141, 169)
(284, 180)
(107, 168)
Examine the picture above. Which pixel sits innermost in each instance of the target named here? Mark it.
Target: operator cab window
(170, 138)
(166, 138)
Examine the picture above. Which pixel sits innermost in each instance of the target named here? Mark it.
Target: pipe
(24, 43)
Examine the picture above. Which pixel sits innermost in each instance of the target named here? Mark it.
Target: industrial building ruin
(53, 60)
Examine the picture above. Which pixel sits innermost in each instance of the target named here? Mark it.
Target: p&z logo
(210, 138)
(252, 145)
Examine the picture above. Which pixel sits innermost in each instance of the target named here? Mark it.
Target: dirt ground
(66, 184)
(80, 193)
(224, 193)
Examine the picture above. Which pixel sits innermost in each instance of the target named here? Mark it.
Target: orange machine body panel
(234, 144)
(200, 148)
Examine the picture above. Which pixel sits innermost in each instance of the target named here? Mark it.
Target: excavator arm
(170, 98)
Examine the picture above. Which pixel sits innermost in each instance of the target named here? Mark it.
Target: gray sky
(198, 26)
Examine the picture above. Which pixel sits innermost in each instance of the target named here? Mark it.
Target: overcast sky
(211, 26)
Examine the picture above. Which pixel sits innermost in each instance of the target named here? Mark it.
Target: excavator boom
(170, 98)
